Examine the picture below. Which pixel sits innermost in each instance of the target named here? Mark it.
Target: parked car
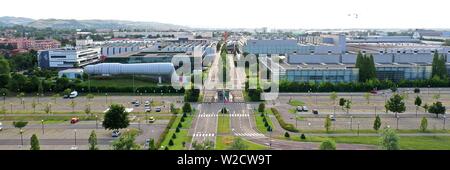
(1, 126)
(136, 104)
(315, 111)
(74, 120)
(332, 117)
(158, 109)
(147, 109)
(305, 109)
(147, 103)
(151, 120)
(374, 92)
(299, 109)
(115, 133)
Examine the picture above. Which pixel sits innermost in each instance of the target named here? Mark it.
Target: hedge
(286, 126)
(163, 135)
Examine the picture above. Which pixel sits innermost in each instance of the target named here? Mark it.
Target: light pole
(75, 136)
(42, 123)
(398, 117)
(4, 98)
(106, 99)
(21, 136)
(351, 122)
(358, 127)
(96, 121)
(37, 95)
(139, 124)
(445, 117)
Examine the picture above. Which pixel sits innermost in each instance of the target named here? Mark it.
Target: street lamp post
(358, 127)
(4, 98)
(42, 123)
(445, 117)
(96, 121)
(75, 136)
(398, 117)
(139, 124)
(351, 122)
(106, 99)
(21, 137)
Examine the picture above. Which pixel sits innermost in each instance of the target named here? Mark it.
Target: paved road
(205, 123)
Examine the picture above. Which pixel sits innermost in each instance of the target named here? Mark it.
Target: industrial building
(160, 71)
(68, 57)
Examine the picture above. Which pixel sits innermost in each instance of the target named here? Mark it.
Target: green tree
(4, 72)
(20, 124)
(396, 104)
(206, 145)
(93, 141)
(238, 144)
(328, 144)
(116, 118)
(348, 105)
(187, 108)
(126, 142)
(67, 92)
(342, 102)
(366, 66)
(287, 135)
(72, 104)
(33, 105)
(87, 109)
(34, 142)
(437, 108)
(367, 97)
(333, 97)
(377, 123)
(89, 97)
(48, 108)
(424, 124)
(151, 145)
(389, 140)
(438, 68)
(327, 124)
(418, 103)
(261, 108)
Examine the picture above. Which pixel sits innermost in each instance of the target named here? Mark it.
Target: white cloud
(245, 13)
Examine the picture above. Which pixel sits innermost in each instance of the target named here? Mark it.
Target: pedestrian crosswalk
(249, 134)
(231, 115)
(203, 134)
(239, 115)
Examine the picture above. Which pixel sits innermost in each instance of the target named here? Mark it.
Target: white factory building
(68, 57)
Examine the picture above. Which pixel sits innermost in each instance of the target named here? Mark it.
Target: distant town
(109, 85)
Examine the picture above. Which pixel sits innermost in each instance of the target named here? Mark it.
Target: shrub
(177, 130)
(170, 142)
(416, 90)
(286, 135)
(284, 125)
(174, 136)
(303, 137)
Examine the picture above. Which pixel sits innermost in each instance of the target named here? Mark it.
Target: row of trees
(366, 66)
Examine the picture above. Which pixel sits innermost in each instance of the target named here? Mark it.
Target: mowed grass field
(224, 124)
(182, 136)
(260, 123)
(406, 142)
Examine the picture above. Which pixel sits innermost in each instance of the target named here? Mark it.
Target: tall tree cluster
(438, 66)
(366, 66)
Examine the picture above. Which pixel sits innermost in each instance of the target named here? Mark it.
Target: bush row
(284, 125)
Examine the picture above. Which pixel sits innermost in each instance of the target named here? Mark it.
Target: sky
(287, 14)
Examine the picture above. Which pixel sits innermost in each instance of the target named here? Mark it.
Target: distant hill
(86, 24)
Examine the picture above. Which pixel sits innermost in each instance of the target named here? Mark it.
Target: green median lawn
(224, 124)
(406, 142)
(182, 136)
(224, 142)
(296, 103)
(260, 125)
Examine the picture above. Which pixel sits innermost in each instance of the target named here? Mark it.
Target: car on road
(115, 133)
(72, 95)
(299, 108)
(374, 92)
(158, 109)
(305, 109)
(315, 111)
(147, 109)
(136, 103)
(74, 120)
(332, 118)
(151, 120)
(1, 126)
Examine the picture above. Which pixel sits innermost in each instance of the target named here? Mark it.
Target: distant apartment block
(27, 44)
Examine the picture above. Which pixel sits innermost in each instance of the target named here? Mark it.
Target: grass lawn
(354, 131)
(260, 123)
(181, 136)
(224, 142)
(406, 142)
(296, 103)
(224, 124)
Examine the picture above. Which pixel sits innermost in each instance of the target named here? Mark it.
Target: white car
(148, 109)
(73, 94)
(1, 126)
(147, 103)
(115, 133)
(332, 118)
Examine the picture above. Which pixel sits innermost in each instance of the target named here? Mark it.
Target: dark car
(315, 111)
(74, 120)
